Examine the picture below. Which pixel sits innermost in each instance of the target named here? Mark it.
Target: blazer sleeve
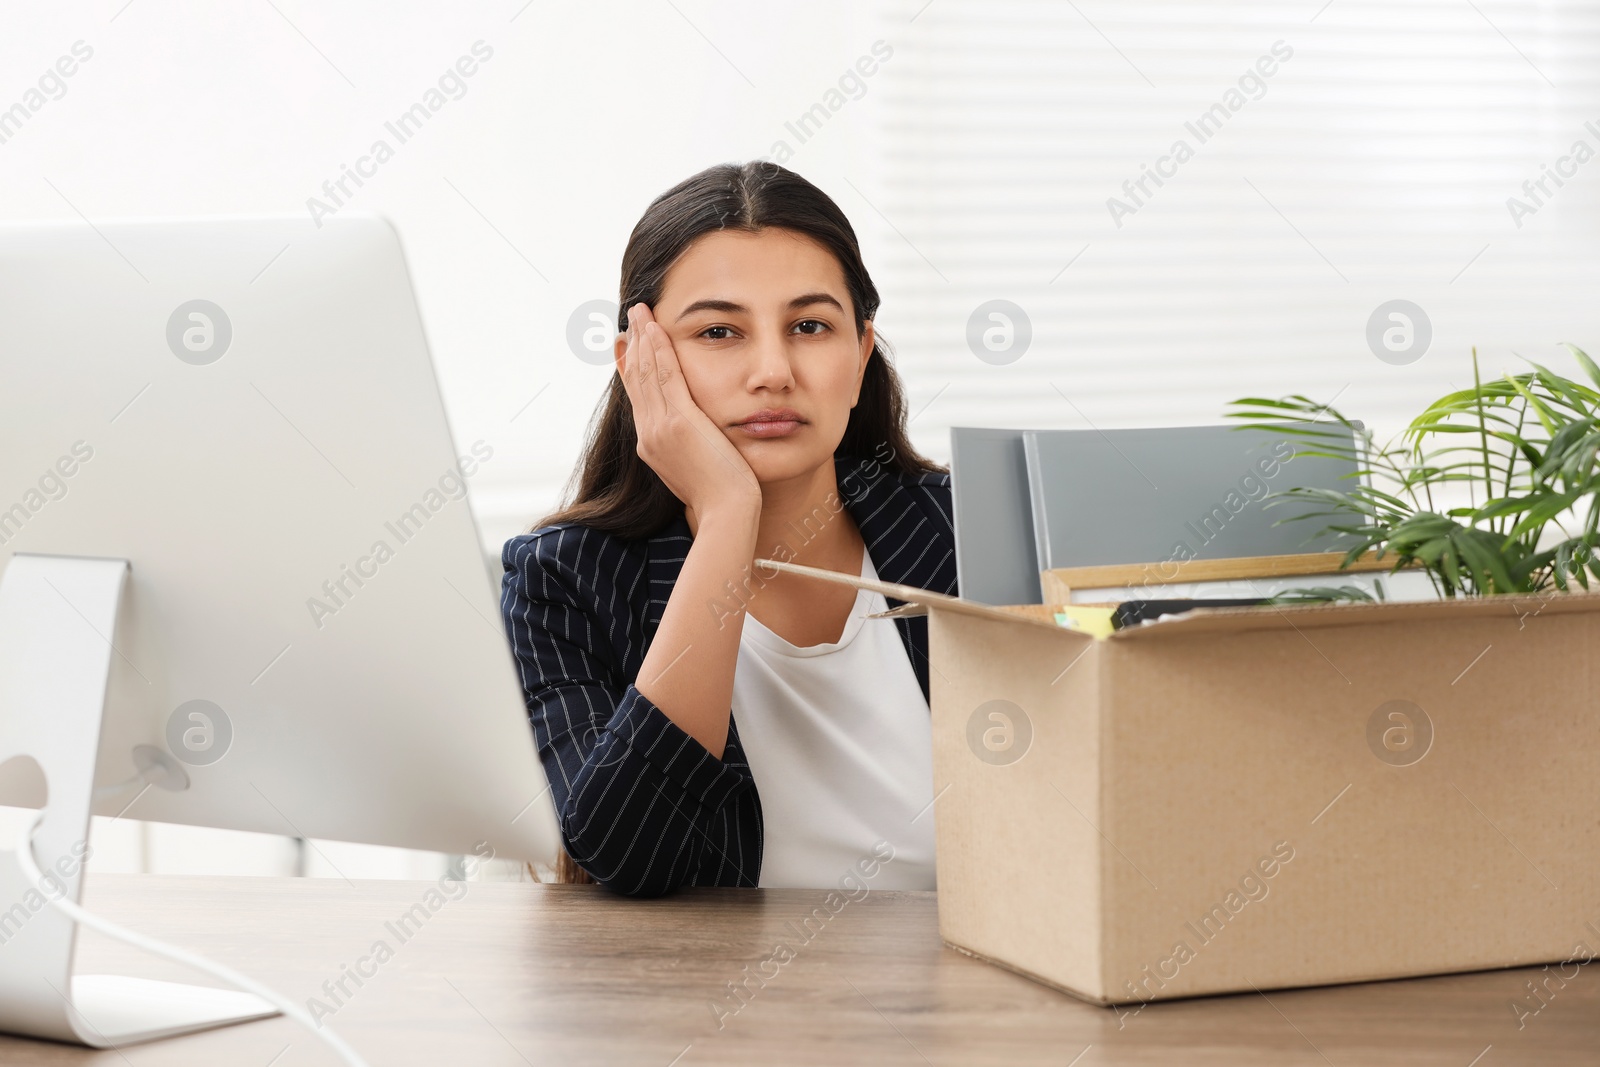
(643, 807)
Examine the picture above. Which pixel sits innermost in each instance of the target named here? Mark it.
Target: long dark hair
(616, 490)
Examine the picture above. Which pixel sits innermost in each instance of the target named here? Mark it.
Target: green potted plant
(1524, 447)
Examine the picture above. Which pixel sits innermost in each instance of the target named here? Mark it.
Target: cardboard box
(1258, 797)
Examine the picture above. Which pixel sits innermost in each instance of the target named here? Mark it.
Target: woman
(703, 721)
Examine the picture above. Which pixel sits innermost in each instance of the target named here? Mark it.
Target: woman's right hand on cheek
(678, 441)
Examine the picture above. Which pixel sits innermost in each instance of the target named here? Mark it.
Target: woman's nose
(771, 364)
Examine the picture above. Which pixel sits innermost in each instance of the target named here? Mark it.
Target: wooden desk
(528, 974)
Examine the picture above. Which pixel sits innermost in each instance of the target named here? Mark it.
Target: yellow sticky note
(1096, 622)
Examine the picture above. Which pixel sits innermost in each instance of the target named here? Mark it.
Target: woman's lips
(774, 428)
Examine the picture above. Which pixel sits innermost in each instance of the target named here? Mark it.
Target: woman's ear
(620, 349)
(868, 340)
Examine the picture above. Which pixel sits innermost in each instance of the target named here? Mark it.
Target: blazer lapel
(911, 541)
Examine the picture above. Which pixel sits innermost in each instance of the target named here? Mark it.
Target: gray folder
(1123, 496)
(1174, 493)
(995, 553)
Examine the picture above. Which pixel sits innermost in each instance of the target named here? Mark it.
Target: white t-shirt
(840, 745)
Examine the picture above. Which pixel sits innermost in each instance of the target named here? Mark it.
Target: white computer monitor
(308, 639)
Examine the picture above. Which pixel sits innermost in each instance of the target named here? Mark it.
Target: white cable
(30, 871)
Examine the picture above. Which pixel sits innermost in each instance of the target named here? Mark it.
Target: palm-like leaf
(1525, 446)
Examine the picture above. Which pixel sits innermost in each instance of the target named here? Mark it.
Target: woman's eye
(810, 326)
(716, 333)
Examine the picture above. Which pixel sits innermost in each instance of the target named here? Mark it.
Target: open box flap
(923, 599)
(1520, 608)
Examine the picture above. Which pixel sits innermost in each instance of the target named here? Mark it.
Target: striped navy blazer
(643, 807)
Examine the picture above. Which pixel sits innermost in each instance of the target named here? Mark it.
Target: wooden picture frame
(1245, 576)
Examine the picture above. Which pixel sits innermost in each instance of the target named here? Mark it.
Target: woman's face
(763, 321)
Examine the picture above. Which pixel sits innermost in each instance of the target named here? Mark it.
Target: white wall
(1373, 164)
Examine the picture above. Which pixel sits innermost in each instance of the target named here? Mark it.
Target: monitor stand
(58, 617)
